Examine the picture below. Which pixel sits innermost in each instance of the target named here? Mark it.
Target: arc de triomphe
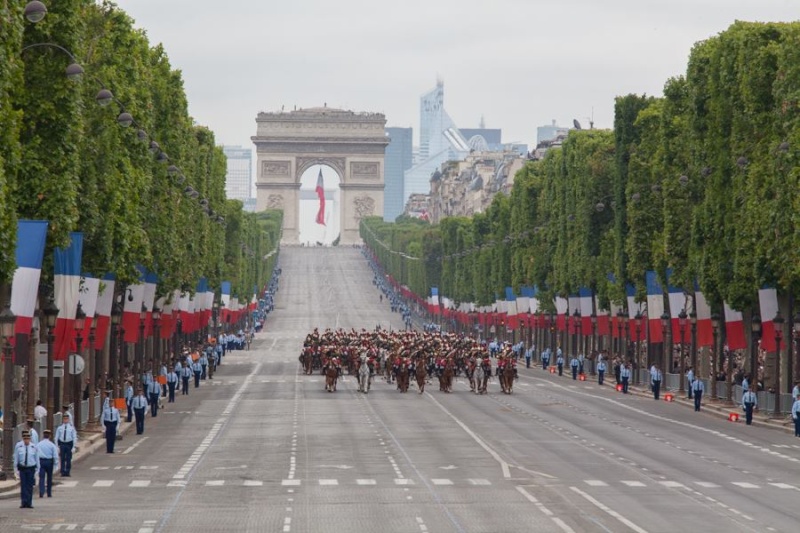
(289, 143)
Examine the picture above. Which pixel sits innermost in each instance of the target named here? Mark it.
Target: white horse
(480, 378)
(364, 377)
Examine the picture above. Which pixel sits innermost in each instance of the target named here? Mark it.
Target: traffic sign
(75, 364)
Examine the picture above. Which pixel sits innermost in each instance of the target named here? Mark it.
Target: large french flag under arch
(67, 283)
(31, 237)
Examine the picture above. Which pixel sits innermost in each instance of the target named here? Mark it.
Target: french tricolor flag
(655, 307)
(89, 290)
(603, 322)
(677, 303)
(562, 306)
(148, 299)
(768, 300)
(573, 304)
(31, 237)
(105, 303)
(586, 308)
(225, 300)
(67, 283)
(705, 333)
(634, 308)
(734, 329)
(132, 308)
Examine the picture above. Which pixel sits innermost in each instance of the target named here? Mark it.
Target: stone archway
(289, 143)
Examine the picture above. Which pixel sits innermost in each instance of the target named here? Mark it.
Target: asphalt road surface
(264, 448)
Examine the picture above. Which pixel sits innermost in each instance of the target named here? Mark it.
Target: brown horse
(402, 378)
(305, 359)
(330, 378)
(421, 374)
(507, 379)
(446, 379)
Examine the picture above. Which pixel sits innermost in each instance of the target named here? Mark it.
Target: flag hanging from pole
(321, 194)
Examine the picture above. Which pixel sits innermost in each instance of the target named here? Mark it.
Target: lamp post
(666, 360)
(157, 336)
(77, 326)
(50, 314)
(712, 360)
(576, 328)
(755, 328)
(693, 321)
(620, 317)
(796, 331)
(178, 336)
(638, 321)
(778, 321)
(682, 362)
(595, 347)
(115, 346)
(7, 319)
(552, 325)
(140, 355)
(92, 372)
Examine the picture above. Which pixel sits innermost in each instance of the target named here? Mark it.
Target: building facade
(399, 154)
(239, 176)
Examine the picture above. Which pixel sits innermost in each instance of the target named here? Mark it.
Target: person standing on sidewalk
(66, 439)
(749, 402)
(26, 466)
(154, 390)
(573, 363)
(625, 376)
(697, 390)
(796, 415)
(139, 404)
(129, 400)
(198, 370)
(186, 374)
(172, 382)
(111, 422)
(48, 459)
(203, 364)
(690, 381)
(601, 371)
(560, 363)
(655, 380)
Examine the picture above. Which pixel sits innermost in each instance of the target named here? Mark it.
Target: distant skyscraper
(239, 177)
(397, 161)
(440, 141)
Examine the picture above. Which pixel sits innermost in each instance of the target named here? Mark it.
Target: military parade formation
(403, 357)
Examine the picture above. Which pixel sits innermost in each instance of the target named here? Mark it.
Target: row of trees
(703, 181)
(130, 190)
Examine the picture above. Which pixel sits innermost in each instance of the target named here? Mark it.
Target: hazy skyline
(518, 63)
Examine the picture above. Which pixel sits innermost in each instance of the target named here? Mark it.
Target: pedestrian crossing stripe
(442, 482)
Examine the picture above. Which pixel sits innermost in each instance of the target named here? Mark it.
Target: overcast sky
(518, 63)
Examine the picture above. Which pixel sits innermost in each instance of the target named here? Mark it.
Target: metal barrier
(84, 412)
(672, 381)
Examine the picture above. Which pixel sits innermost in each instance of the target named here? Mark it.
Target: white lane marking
(100, 468)
(714, 432)
(252, 483)
(479, 482)
(67, 484)
(366, 481)
(707, 484)
(672, 484)
(290, 482)
(547, 512)
(103, 483)
(608, 510)
(633, 483)
(140, 483)
(745, 485)
(481, 443)
(403, 481)
(328, 481)
(784, 486)
(130, 448)
(215, 482)
(441, 482)
(595, 483)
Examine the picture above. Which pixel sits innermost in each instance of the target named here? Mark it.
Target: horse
(446, 379)
(506, 377)
(422, 375)
(331, 374)
(402, 378)
(305, 359)
(364, 377)
(482, 374)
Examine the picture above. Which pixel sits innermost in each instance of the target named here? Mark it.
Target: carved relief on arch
(275, 201)
(337, 163)
(363, 206)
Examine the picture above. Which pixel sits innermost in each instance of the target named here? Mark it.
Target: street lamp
(50, 314)
(778, 321)
(638, 321)
(35, 11)
(693, 322)
(157, 335)
(755, 328)
(620, 317)
(667, 357)
(682, 324)
(140, 356)
(796, 331)
(712, 373)
(552, 325)
(77, 326)
(593, 318)
(116, 347)
(576, 328)
(7, 320)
